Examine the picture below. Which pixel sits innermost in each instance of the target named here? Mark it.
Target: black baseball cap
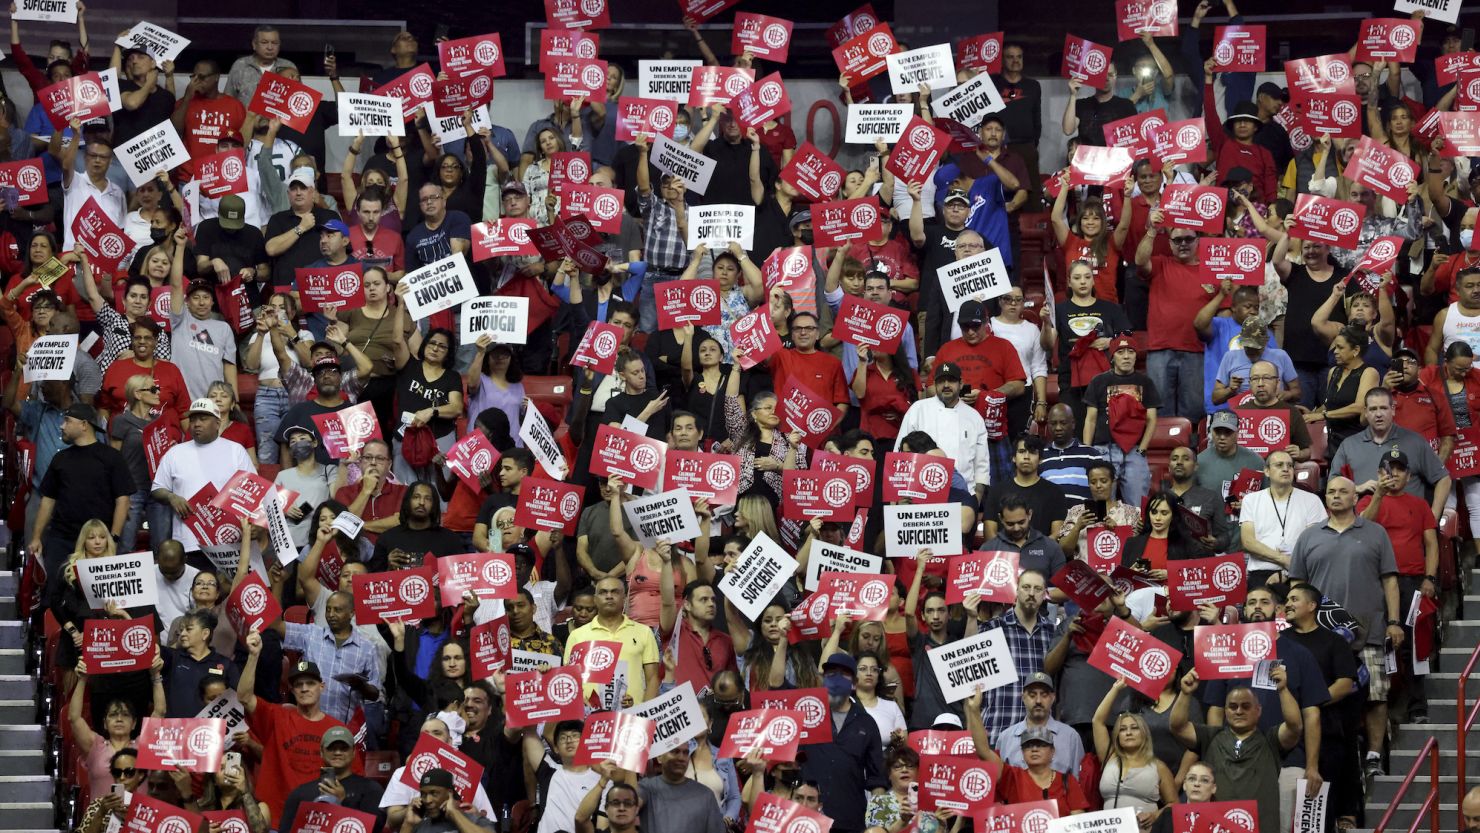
(948, 370)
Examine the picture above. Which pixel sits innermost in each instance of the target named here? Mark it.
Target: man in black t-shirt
(289, 241)
(420, 532)
(1088, 116)
(637, 400)
(145, 102)
(93, 477)
(1122, 379)
(1044, 498)
(328, 381)
(225, 246)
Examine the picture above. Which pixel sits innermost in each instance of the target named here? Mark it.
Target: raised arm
(1070, 122)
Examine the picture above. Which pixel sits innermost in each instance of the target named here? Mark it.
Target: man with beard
(87, 479)
(702, 648)
(436, 808)
(1304, 681)
(334, 245)
(956, 427)
(1205, 503)
(930, 704)
(1224, 458)
(1264, 395)
(186, 467)
(1233, 368)
(672, 802)
(1030, 638)
(847, 769)
(524, 632)
(1038, 697)
(328, 398)
(289, 243)
(373, 499)
(340, 650)
(227, 246)
(1244, 757)
(990, 369)
(372, 243)
(419, 532)
(733, 157)
(1419, 407)
(488, 741)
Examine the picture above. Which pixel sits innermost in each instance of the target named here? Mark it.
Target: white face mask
(1465, 236)
(680, 133)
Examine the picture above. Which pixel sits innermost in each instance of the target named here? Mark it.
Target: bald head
(1341, 497)
(1470, 809)
(1264, 382)
(1061, 423)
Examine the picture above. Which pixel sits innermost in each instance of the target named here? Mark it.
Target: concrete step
(8, 583)
(1415, 735)
(1447, 683)
(1385, 789)
(28, 815)
(22, 687)
(22, 762)
(1462, 632)
(1405, 814)
(12, 661)
(22, 737)
(1400, 761)
(13, 712)
(27, 788)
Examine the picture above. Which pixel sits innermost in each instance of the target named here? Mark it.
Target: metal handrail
(1464, 720)
(1431, 801)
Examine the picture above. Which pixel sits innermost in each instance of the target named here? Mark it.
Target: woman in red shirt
(1038, 781)
(885, 387)
(234, 425)
(42, 248)
(172, 393)
(1095, 243)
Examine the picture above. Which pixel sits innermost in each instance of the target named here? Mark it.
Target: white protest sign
(541, 442)
(277, 528)
(129, 580)
(909, 528)
(438, 286)
(975, 278)
(757, 576)
(373, 115)
(666, 515)
(983, 660)
(1310, 810)
(450, 128)
(532, 661)
(867, 122)
(826, 557)
(1445, 10)
(1122, 820)
(930, 65)
(229, 709)
(504, 318)
(157, 149)
(970, 102)
(670, 157)
(677, 715)
(716, 225)
(109, 77)
(667, 80)
(47, 11)
(158, 41)
(51, 358)
(349, 523)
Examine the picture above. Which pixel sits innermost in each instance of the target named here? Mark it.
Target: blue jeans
(1311, 382)
(136, 503)
(1178, 376)
(1131, 472)
(161, 522)
(267, 414)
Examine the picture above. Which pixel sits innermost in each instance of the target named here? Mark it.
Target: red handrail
(1431, 801)
(1465, 720)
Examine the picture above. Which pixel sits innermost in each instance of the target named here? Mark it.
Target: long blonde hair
(1141, 757)
(69, 572)
(759, 516)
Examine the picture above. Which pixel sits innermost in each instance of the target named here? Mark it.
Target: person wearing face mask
(307, 476)
(850, 767)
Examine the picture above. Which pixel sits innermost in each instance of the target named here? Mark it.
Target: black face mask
(158, 235)
(806, 237)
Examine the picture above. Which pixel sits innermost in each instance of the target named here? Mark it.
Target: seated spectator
(337, 782)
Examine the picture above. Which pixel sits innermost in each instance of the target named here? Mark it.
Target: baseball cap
(1039, 678)
(948, 370)
(996, 117)
(804, 216)
(1407, 353)
(1226, 420)
(231, 213)
(334, 225)
(326, 363)
(230, 138)
(947, 719)
(206, 405)
(82, 411)
(972, 314)
(1393, 457)
(1122, 343)
(1035, 734)
(437, 777)
(1274, 91)
(337, 734)
(301, 176)
(200, 286)
(957, 195)
(304, 668)
(515, 187)
(841, 660)
(1254, 330)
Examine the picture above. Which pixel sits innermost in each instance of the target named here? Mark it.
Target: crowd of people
(196, 362)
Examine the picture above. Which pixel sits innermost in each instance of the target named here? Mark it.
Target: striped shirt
(1066, 468)
(355, 656)
(664, 246)
(1003, 706)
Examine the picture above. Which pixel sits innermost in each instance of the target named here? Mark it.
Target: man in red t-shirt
(989, 364)
(374, 499)
(1418, 405)
(291, 735)
(204, 115)
(1174, 358)
(811, 368)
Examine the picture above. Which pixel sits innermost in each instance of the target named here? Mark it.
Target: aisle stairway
(26, 788)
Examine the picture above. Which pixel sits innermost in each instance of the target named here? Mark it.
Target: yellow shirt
(639, 649)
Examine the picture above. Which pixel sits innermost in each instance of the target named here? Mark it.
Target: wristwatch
(1394, 623)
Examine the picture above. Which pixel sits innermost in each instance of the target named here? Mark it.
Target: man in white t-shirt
(562, 784)
(1272, 519)
(175, 579)
(186, 468)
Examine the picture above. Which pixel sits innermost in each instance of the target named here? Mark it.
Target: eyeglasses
(620, 802)
(151, 389)
(437, 344)
(101, 156)
(431, 198)
(1182, 241)
(374, 458)
(804, 329)
(1012, 299)
(127, 772)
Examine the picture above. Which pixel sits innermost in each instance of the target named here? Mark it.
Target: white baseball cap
(204, 405)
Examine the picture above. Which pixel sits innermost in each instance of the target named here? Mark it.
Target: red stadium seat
(1052, 389)
(1318, 443)
(297, 614)
(246, 390)
(1308, 476)
(381, 764)
(1171, 432)
(556, 390)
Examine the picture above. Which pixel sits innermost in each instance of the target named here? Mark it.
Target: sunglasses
(123, 773)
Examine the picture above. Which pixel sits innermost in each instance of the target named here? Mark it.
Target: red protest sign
(1146, 663)
(775, 733)
(1381, 168)
(868, 324)
(222, 173)
(921, 478)
(763, 36)
(956, 783)
(862, 56)
(243, 495)
(806, 412)
(1338, 115)
(1447, 67)
(80, 97)
(1105, 547)
(810, 703)
(714, 477)
(533, 697)
(569, 168)
(339, 286)
(1380, 255)
(413, 89)
(251, 606)
(763, 101)
(773, 814)
(683, 302)
(1216, 817)
(1461, 134)
(717, 85)
(458, 95)
(941, 742)
(1134, 18)
(647, 117)
(623, 739)
(817, 494)
(567, 43)
(569, 78)
(814, 174)
(990, 574)
(595, 661)
(103, 240)
(477, 55)
(160, 436)
(1229, 652)
(852, 24)
(491, 646)
(1080, 582)
(487, 575)
(503, 237)
(633, 457)
(1388, 39)
(150, 815)
(115, 646)
(1105, 166)
(278, 97)
(602, 207)
(790, 267)
(1236, 259)
(862, 596)
(702, 10)
(1136, 133)
(318, 817)
(1464, 460)
(840, 222)
(1332, 221)
(578, 14)
(1323, 74)
(28, 178)
(1086, 61)
(1239, 48)
(548, 504)
(403, 594)
(1219, 580)
(755, 339)
(918, 151)
(1023, 817)
(598, 347)
(1263, 430)
(472, 457)
(981, 52)
(195, 743)
(211, 526)
(861, 470)
(1199, 207)
(348, 429)
(228, 821)
(430, 753)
